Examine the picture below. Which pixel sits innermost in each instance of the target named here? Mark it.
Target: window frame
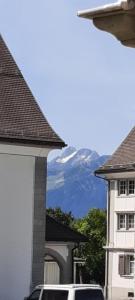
(127, 221)
(126, 217)
(131, 180)
(119, 187)
(128, 264)
(119, 222)
(127, 187)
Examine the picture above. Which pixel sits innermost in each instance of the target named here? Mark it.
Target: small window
(121, 221)
(131, 264)
(130, 294)
(130, 221)
(131, 187)
(122, 187)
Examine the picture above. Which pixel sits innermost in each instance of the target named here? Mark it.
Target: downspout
(107, 235)
(76, 246)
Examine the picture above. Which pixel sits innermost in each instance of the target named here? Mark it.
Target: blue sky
(82, 78)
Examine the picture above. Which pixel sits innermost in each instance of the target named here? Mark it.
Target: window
(126, 187)
(131, 264)
(55, 295)
(130, 221)
(126, 221)
(121, 221)
(126, 264)
(131, 187)
(122, 187)
(89, 294)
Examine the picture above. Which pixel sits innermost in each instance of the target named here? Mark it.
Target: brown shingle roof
(123, 158)
(21, 119)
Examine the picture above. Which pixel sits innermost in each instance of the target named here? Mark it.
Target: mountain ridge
(72, 184)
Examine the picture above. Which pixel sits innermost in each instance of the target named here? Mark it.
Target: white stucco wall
(60, 248)
(16, 225)
(117, 280)
(120, 241)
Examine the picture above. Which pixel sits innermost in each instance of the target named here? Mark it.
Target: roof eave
(100, 11)
(67, 240)
(116, 18)
(114, 170)
(33, 142)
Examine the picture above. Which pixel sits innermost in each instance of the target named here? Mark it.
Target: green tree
(62, 217)
(94, 227)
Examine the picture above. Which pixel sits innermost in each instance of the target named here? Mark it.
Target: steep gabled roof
(21, 120)
(123, 158)
(55, 231)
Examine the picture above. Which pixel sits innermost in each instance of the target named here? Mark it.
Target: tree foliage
(60, 216)
(93, 226)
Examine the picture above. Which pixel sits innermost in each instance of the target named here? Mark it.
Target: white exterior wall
(61, 248)
(16, 225)
(120, 242)
(61, 252)
(117, 280)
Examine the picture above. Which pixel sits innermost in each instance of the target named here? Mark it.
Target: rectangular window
(122, 187)
(130, 221)
(126, 187)
(126, 221)
(126, 265)
(131, 187)
(121, 221)
(131, 264)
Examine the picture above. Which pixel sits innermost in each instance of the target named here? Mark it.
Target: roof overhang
(116, 18)
(115, 174)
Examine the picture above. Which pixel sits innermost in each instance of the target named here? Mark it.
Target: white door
(51, 273)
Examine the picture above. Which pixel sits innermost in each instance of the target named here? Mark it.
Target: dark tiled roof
(123, 158)
(56, 231)
(21, 119)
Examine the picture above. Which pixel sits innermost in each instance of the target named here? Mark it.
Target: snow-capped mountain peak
(74, 156)
(71, 181)
(66, 158)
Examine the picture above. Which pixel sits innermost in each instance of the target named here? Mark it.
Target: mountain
(72, 184)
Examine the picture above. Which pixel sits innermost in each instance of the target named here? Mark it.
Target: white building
(118, 18)
(61, 242)
(119, 171)
(25, 141)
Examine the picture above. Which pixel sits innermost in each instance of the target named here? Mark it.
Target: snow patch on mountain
(65, 159)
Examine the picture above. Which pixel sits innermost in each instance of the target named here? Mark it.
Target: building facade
(25, 141)
(61, 241)
(119, 172)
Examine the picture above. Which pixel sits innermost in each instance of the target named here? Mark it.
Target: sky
(82, 78)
